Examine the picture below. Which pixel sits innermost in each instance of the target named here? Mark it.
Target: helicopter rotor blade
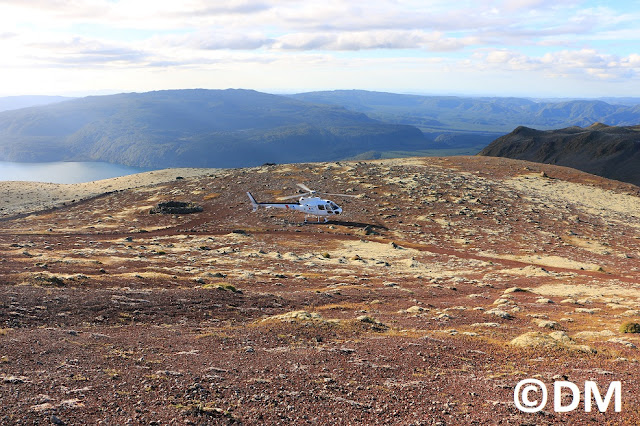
(339, 195)
(290, 197)
(305, 188)
(309, 191)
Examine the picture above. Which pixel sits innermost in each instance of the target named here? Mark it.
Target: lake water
(64, 172)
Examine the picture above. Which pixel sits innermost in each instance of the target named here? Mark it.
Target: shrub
(630, 327)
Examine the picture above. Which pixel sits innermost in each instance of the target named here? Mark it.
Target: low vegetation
(630, 327)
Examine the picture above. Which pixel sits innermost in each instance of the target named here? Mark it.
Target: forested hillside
(199, 128)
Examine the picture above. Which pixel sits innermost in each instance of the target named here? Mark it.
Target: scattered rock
(443, 316)
(413, 310)
(552, 325)
(168, 373)
(486, 324)
(514, 290)
(476, 296)
(594, 334)
(587, 310)
(71, 403)
(175, 207)
(622, 342)
(56, 420)
(296, 316)
(46, 280)
(554, 340)
(45, 406)
(9, 378)
(374, 323)
(499, 313)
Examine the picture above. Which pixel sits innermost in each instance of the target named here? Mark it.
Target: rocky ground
(445, 283)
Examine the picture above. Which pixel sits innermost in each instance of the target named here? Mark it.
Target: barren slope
(607, 151)
(402, 312)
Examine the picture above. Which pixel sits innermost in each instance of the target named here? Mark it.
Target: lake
(64, 171)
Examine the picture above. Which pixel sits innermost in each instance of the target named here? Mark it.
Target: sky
(534, 48)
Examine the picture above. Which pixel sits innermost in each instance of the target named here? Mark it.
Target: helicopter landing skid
(318, 217)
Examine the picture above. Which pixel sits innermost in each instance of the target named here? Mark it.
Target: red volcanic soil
(403, 311)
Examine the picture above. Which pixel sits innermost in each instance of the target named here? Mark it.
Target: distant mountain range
(236, 128)
(16, 102)
(611, 152)
(199, 128)
(433, 114)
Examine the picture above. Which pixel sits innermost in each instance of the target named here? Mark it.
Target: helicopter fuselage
(311, 206)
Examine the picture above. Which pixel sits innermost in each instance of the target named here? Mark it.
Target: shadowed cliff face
(444, 283)
(611, 152)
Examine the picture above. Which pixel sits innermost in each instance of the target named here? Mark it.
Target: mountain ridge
(239, 127)
(492, 114)
(198, 127)
(609, 151)
(8, 103)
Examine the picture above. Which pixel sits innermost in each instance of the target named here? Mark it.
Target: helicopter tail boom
(288, 206)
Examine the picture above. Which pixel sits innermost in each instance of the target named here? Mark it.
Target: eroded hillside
(446, 282)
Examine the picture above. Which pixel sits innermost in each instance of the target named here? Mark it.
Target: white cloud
(241, 36)
(365, 40)
(632, 60)
(581, 63)
(217, 40)
(533, 5)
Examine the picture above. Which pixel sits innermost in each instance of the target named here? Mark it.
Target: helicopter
(308, 203)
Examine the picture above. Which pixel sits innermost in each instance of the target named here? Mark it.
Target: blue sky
(536, 48)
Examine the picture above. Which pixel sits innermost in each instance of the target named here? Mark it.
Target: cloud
(216, 40)
(632, 61)
(87, 53)
(348, 41)
(59, 9)
(542, 37)
(532, 5)
(584, 62)
(229, 7)
(159, 15)
(382, 15)
(366, 40)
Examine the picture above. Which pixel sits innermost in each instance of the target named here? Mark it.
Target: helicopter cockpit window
(334, 206)
(329, 207)
(320, 207)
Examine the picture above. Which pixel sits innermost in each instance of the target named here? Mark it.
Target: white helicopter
(308, 203)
